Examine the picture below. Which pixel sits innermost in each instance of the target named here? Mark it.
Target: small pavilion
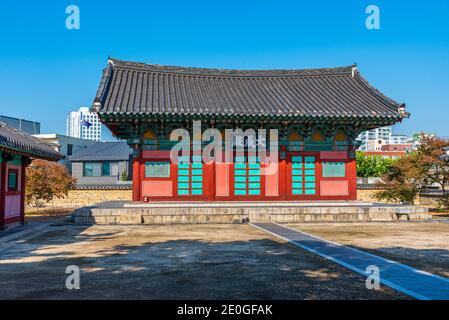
(318, 113)
(17, 149)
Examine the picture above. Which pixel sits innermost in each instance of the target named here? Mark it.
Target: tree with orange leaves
(417, 171)
(436, 168)
(46, 180)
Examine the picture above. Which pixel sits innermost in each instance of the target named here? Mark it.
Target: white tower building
(84, 124)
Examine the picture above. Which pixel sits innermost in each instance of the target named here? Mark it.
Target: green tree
(46, 180)
(372, 165)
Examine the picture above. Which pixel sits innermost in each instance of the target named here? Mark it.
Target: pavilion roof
(149, 90)
(19, 143)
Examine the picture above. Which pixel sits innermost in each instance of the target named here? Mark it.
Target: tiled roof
(129, 88)
(103, 151)
(19, 143)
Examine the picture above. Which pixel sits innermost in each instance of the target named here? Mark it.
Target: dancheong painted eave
(130, 89)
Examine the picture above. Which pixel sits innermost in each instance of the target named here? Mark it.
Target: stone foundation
(299, 212)
(90, 197)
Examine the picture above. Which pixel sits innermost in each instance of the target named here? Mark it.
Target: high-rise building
(84, 124)
(27, 126)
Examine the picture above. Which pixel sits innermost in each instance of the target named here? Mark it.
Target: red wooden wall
(166, 189)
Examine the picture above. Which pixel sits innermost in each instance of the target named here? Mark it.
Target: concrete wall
(77, 172)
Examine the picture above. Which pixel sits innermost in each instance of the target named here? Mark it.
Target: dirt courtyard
(422, 245)
(172, 262)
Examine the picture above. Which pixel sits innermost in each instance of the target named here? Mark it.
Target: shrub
(372, 166)
(46, 180)
(414, 172)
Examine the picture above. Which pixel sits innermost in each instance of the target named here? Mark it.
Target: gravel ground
(172, 262)
(422, 245)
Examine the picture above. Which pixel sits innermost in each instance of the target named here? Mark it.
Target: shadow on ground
(435, 261)
(172, 262)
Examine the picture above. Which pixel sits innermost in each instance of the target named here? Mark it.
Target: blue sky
(48, 70)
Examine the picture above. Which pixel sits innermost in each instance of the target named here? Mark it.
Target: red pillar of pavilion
(25, 162)
(136, 177)
(3, 186)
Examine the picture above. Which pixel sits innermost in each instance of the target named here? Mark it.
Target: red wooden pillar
(137, 179)
(283, 173)
(3, 186)
(25, 162)
(352, 179)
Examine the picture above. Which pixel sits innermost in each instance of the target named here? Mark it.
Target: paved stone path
(416, 283)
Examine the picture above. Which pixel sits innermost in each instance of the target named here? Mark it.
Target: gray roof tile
(138, 88)
(16, 142)
(103, 151)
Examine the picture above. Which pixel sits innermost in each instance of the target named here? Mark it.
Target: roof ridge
(219, 72)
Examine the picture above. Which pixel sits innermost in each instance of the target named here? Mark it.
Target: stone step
(280, 214)
(247, 204)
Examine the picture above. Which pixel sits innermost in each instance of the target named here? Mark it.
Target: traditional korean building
(17, 149)
(318, 114)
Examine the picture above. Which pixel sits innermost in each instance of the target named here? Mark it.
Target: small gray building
(102, 164)
(65, 145)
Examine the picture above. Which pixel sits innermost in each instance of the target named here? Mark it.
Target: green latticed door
(246, 176)
(190, 176)
(303, 175)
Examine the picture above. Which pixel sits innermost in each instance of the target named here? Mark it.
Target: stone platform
(119, 212)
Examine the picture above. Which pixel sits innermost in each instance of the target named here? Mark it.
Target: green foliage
(372, 166)
(124, 176)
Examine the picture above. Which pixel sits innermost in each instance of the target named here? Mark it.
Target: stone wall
(368, 195)
(81, 198)
(87, 197)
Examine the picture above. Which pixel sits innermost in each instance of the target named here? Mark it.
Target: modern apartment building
(368, 138)
(373, 140)
(83, 124)
(399, 139)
